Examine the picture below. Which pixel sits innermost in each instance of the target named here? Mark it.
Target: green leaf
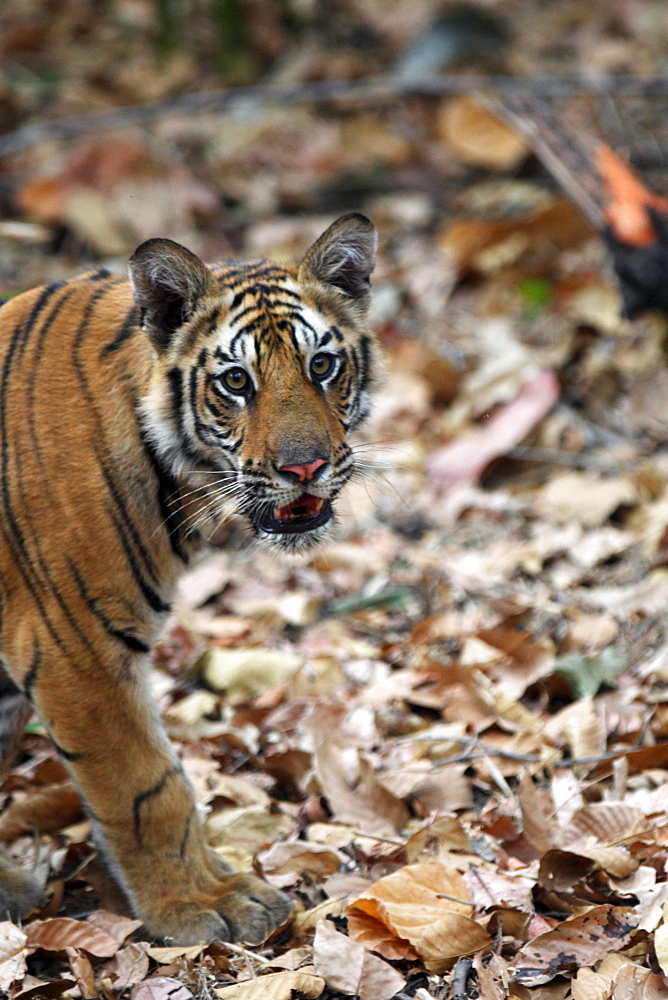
(586, 675)
(537, 292)
(392, 598)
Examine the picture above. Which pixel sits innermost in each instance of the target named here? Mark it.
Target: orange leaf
(629, 200)
(420, 910)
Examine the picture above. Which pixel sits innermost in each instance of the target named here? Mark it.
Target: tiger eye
(321, 365)
(236, 379)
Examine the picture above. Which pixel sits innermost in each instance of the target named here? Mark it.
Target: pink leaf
(464, 460)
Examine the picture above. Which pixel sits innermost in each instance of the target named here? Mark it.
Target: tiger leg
(19, 890)
(143, 808)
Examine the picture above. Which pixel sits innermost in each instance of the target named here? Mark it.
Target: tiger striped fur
(133, 415)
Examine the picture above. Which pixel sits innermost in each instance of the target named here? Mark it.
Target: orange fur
(122, 446)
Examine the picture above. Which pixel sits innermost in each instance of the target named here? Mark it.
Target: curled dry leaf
(576, 942)
(60, 933)
(419, 911)
(300, 858)
(347, 966)
(275, 985)
(13, 952)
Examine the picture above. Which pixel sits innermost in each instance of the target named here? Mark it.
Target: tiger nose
(306, 472)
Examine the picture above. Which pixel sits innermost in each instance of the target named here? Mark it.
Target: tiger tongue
(305, 505)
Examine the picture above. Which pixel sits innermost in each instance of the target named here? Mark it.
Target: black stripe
(168, 497)
(13, 535)
(67, 754)
(152, 598)
(31, 675)
(365, 376)
(129, 640)
(140, 799)
(128, 327)
(47, 293)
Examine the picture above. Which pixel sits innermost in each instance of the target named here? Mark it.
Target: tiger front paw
(243, 909)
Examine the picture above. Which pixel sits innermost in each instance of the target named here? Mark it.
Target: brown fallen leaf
(607, 822)
(450, 938)
(588, 985)
(354, 793)
(82, 970)
(420, 910)
(538, 825)
(169, 954)
(576, 942)
(128, 967)
(637, 983)
(347, 966)
(304, 924)
(585, 498)
(41, 809)
(465, 459)
(275, 985)
(161, 988)
(314, 860)
(13, 953)
(113, 923)
(60, 933)
(477, 137)
(40, 990)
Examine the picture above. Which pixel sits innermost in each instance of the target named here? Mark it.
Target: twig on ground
(461, 974)
(373, 91)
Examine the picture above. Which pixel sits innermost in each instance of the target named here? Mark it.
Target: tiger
(133, 413)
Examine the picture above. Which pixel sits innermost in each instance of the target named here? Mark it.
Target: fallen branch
(374, 91)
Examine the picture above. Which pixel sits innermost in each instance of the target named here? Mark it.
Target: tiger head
(260, 372)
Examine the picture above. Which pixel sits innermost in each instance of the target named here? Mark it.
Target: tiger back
(134, 417)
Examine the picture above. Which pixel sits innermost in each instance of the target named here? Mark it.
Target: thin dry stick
(482, 749)
(373, 91)
(460, 976)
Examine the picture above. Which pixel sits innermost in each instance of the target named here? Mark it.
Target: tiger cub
(131, 415)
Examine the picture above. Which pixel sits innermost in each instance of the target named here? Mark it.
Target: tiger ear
(168, 281)
(344, 257)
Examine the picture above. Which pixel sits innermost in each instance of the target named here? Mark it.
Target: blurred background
(261, 178)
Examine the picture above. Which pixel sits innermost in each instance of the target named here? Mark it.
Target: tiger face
(261, 373)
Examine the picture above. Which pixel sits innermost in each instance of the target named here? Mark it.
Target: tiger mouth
(305, 513)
